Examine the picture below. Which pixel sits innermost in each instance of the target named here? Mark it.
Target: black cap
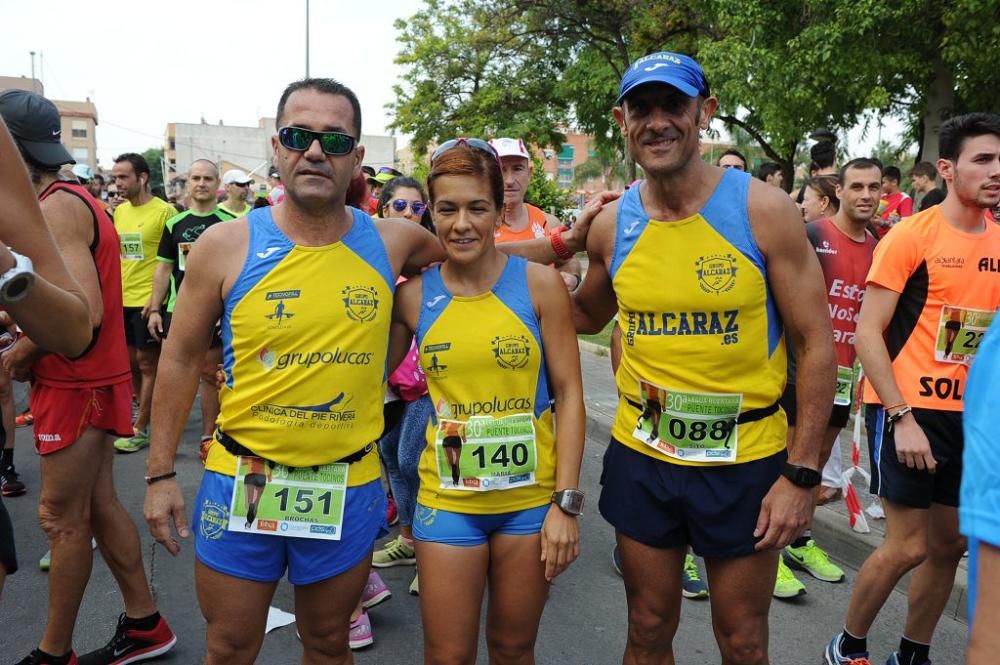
(34, 122)
(274, 173)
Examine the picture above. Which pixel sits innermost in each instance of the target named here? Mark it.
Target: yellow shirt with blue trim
(305, 338)
(702, 339)
(485, 368)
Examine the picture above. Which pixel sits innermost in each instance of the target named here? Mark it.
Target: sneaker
(415, 585)
(10, 485)
(24, 419)
(131, 646)
(894, 660)
(391, 511)
(375, 591)
(814, 561)
(693, 586)
(616, 559)
(46, 561)
(787, 585)
(394, 553)
(832, 655)
(361, 632)
(34, 658)
(132, 444)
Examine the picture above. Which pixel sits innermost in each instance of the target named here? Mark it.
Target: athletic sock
(7, 458)
(804, 539)
(850, 644)
(144, 623)
(49, 659)
(913, 653)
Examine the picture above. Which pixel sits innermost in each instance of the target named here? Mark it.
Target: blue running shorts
(264, 558)
(465, 530)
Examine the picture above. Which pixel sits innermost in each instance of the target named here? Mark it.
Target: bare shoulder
(543, 277)
(601, 238)
(67, 212)
(227, 234)
(775, 220)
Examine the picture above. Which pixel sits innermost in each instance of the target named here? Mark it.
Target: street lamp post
(307, 39)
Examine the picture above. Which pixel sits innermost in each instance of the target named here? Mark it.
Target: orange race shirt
(535, 229)
(948, 283)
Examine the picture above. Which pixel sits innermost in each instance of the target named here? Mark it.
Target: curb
(832, 528)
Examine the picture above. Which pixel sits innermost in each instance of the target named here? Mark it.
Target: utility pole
(307, 39)
(34, 87)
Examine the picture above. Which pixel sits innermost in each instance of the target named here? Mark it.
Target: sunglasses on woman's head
(475, 144)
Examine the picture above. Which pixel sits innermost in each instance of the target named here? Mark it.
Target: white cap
(83, 172)
(236, 176)
(510, 147)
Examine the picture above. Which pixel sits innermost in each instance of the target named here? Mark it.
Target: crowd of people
(740, 338)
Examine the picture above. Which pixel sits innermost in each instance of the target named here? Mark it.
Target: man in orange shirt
(521, 220)
(933, 289)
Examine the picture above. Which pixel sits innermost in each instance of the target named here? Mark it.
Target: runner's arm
(55, 311)
(876, 311)
(72, 227)
(984, 643)
(796, 281)
(161, 284)
(560, 532)
(570, 269)
(594, 303)
(198, 307)
(406, 306)
(411, 247)
(575, 239)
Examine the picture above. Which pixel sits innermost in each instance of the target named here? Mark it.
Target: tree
(154, 157)
(545, 193)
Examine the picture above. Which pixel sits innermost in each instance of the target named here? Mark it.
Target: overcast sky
(146, 63)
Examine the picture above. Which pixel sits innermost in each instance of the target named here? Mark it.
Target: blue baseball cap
(673, 69)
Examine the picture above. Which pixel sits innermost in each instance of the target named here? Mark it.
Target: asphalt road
(584, 623)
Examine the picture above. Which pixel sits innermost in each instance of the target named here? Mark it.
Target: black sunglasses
(418, 207)
(332, 143)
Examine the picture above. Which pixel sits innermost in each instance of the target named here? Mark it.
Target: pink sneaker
(361, 632)
(391, 512)
(375, 591)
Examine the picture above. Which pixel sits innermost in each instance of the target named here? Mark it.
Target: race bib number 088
(698, 427)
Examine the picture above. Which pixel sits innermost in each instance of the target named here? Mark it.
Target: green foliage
(546, 194)
(780, 68)
(154, 157)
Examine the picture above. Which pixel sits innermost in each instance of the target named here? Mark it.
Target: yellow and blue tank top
(702, 339)
(305, 337)
(486, 375)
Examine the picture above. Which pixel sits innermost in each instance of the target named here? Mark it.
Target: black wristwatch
(802, 476)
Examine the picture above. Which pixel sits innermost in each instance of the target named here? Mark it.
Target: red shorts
(62, 415)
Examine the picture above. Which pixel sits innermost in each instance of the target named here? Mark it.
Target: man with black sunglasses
(237, 184)
(305, 293)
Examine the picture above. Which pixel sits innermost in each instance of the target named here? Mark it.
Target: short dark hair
(860, 163)
(735, 153)
(138, 162)
(953, 132)
(390, 189)
(924, 169)
(823, 154)
(327, 87)
(98, 177)
(892, 173)
(768, 169)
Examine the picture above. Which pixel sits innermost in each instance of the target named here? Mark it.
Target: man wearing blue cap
(706, 268)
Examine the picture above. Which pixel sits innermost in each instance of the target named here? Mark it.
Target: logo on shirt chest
(436, 368)
(512, 351)
(280, 316)
(361, 303)
(716, 274)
